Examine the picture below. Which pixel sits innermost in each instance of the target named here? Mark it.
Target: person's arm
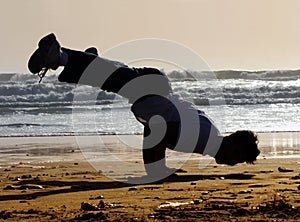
(154, 156)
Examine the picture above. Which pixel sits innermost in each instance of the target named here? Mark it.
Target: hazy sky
(228, 34)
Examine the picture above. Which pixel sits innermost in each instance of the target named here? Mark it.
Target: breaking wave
(204, 88)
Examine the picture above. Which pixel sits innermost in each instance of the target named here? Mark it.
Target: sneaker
(46, 41)
(92, 50)
(46, 56)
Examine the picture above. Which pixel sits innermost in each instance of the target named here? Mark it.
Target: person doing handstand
(169, 121)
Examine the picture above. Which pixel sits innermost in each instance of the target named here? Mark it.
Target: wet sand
(48, 179)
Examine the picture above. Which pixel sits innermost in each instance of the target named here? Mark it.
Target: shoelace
(42, 73)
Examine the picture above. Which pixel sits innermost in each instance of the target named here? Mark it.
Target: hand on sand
(156, 176)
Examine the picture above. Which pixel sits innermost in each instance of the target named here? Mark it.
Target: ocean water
(264, 101)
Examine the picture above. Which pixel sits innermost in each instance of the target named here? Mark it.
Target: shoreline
(125, 134)
(39, 148)
(265, 138)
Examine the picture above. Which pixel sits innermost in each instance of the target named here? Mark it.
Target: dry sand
(47, 179)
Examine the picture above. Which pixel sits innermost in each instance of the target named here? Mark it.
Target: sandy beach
(49, 179)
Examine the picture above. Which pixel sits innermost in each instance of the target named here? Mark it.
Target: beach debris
(197, 201)
(151, 187)
(91, 216)
(175, 189)
(205, 193)
(284, 170)
(102, 204)
(233, 197)
(23, 187)
(89, 207)
(97, 198)
(193, 183)
(95, 207)
(258, 185)
(132, 189)
(5, 215)
(278, 203)
(174, 204)
(23, 177)
(9, 187)
(296, 177)
(277, 200)
(217, 206)
(267, 171)
(229, 192)
(244, 192)
(283, 182)
(178, 198)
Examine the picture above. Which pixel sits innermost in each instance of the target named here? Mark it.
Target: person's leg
(75, 67)
(50, 55)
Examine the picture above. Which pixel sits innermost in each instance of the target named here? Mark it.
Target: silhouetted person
(169, 121)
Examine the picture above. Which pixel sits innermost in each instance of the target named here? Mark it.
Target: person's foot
(46, 56)
(92, 50)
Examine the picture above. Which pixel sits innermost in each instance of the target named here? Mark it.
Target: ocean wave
(19, 125)
(275, 75)
(260, 101)
(231, 87)
(18, 89)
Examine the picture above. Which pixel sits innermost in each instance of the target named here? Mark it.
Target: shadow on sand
(59, 187)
